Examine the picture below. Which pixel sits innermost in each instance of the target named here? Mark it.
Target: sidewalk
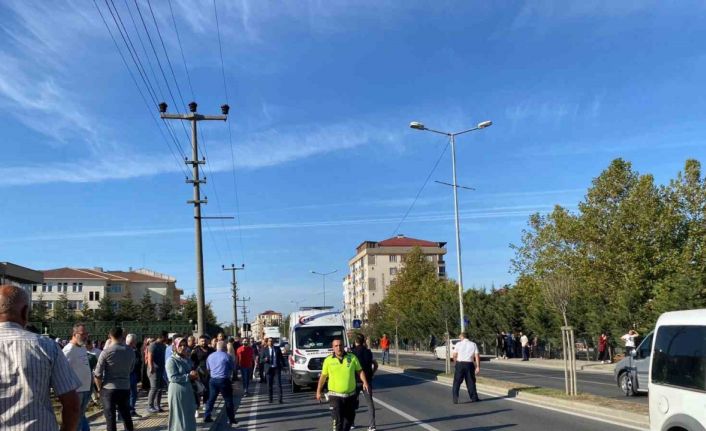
(159, 421)
(557, 364)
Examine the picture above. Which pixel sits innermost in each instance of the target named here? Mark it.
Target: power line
(438, 160)
(186, 69)
(164, 48)
(144, 49)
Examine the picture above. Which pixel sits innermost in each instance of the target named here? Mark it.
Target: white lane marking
(252, 411)
(586, 416)
(407, 416)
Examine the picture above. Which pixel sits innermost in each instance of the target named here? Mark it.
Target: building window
(393, 258)
(49, 305)
(393, 271)
(97, 296)
(49, 287)
(44, 287)
(114, 288)
(80, 287)
(34, 288)
(371, 259)
(74, 287)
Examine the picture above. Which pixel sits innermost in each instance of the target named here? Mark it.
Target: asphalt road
(407, 403)
(592, 383)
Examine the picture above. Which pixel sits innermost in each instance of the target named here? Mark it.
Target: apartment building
(374, 267)
(20, 276)
(266, 318)
(89, 286)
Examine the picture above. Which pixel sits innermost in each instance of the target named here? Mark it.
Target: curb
(536, 364)
(605, 414)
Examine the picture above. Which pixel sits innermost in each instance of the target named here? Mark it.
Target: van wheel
(626, 386)
(295, 387)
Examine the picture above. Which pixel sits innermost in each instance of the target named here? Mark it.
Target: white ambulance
(312, 330)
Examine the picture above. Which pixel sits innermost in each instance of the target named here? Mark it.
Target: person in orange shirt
(246, 362)
(385, 346)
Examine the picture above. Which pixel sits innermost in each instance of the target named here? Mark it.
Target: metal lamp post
(323, 277)
(452, 135)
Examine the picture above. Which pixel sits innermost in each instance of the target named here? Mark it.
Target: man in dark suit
(271, 357)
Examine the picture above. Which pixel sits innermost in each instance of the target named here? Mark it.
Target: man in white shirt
(467, 366)
(77, 356)
(525, 346)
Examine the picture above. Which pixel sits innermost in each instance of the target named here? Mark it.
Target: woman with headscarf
(182, 406)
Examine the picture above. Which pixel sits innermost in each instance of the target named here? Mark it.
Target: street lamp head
(162, 108)
(225, 109)
(417, 125)
(192, 106)
(485, 124)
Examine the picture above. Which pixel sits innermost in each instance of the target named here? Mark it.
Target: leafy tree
(189, 311)
(165, 310)
(105, 312)
(61, 311)
(128, 310)
(87, 313)
(147, 309)
(39, 311)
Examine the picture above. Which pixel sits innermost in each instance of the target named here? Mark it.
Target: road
(592, 383)
(408, 403)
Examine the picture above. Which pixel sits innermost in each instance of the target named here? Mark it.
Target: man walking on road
(156, 372)
(198, 360)
(246, 360)
(340, 369)
(465, 369)
(221, 367)
(35, 364)
(112, 375)
(273, 360)
(524, 341)
(77, 356)
(369, 366)
(385, 346)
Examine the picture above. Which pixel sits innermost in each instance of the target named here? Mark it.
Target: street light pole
(323, 279)
(419, 126)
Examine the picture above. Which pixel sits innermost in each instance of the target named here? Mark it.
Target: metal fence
(99, 329)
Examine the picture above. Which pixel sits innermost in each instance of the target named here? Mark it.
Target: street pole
(458, 234)
(234, 291)
(323, 279)
(194, 118)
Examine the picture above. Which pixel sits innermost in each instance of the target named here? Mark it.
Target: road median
(605, 409)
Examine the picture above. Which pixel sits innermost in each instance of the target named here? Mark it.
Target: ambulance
(311, 332)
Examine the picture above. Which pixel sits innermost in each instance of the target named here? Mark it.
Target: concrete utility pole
(234, 290)
(244, 308)
(194, 118)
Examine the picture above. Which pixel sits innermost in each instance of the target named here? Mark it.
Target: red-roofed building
(375, 265)
(264, 319)
(85, 287)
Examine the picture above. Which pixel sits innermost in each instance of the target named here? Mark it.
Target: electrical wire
(438, 160)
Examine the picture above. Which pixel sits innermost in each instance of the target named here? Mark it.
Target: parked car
(440, 351)
(677, 378)
(632, 372)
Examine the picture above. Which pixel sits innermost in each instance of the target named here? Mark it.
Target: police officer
(340, 369)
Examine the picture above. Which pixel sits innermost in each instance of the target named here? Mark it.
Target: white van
(677, 383)
(312, 331)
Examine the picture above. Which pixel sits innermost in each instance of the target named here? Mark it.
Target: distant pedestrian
(509, 345)
(131, 341)
(246, 359)
(77, 356)
(369, 366)
(340, 369)
(112, 376)
(385, 346)
(198, 361)
(524, 344)
(156, 372)
(273, 360)
(629, 339)
(500, 345)
(180, 395)
(467, 366)
(602, 347)
(35, 365)
(221, 366)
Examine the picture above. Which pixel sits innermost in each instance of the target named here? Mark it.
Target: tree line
(631, 250)
(123, 310)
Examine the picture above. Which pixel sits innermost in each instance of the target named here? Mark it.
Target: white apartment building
(374, 267)
(266, 318)
(89, 286)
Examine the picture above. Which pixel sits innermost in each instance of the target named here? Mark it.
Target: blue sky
(322, 93)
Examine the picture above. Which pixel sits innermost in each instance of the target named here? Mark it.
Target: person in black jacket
(273, 360)
(370, 366)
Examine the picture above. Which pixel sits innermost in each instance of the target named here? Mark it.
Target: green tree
(189, 311)
(39, 311)
(147, 309)
(128, 310)
(165, 310)
(61, 311)
(105, 312)
(87, 314)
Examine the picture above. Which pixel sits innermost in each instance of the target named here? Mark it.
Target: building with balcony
(85, 287)
(266, 318)
(374, 267)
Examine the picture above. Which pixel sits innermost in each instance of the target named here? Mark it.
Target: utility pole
(194, 118)
(244, 308)
(234, 290)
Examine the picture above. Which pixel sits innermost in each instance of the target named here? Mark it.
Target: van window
(645, 347)
(317, 337)
(680, 357)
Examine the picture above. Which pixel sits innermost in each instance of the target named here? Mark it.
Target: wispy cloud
(536, 13)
